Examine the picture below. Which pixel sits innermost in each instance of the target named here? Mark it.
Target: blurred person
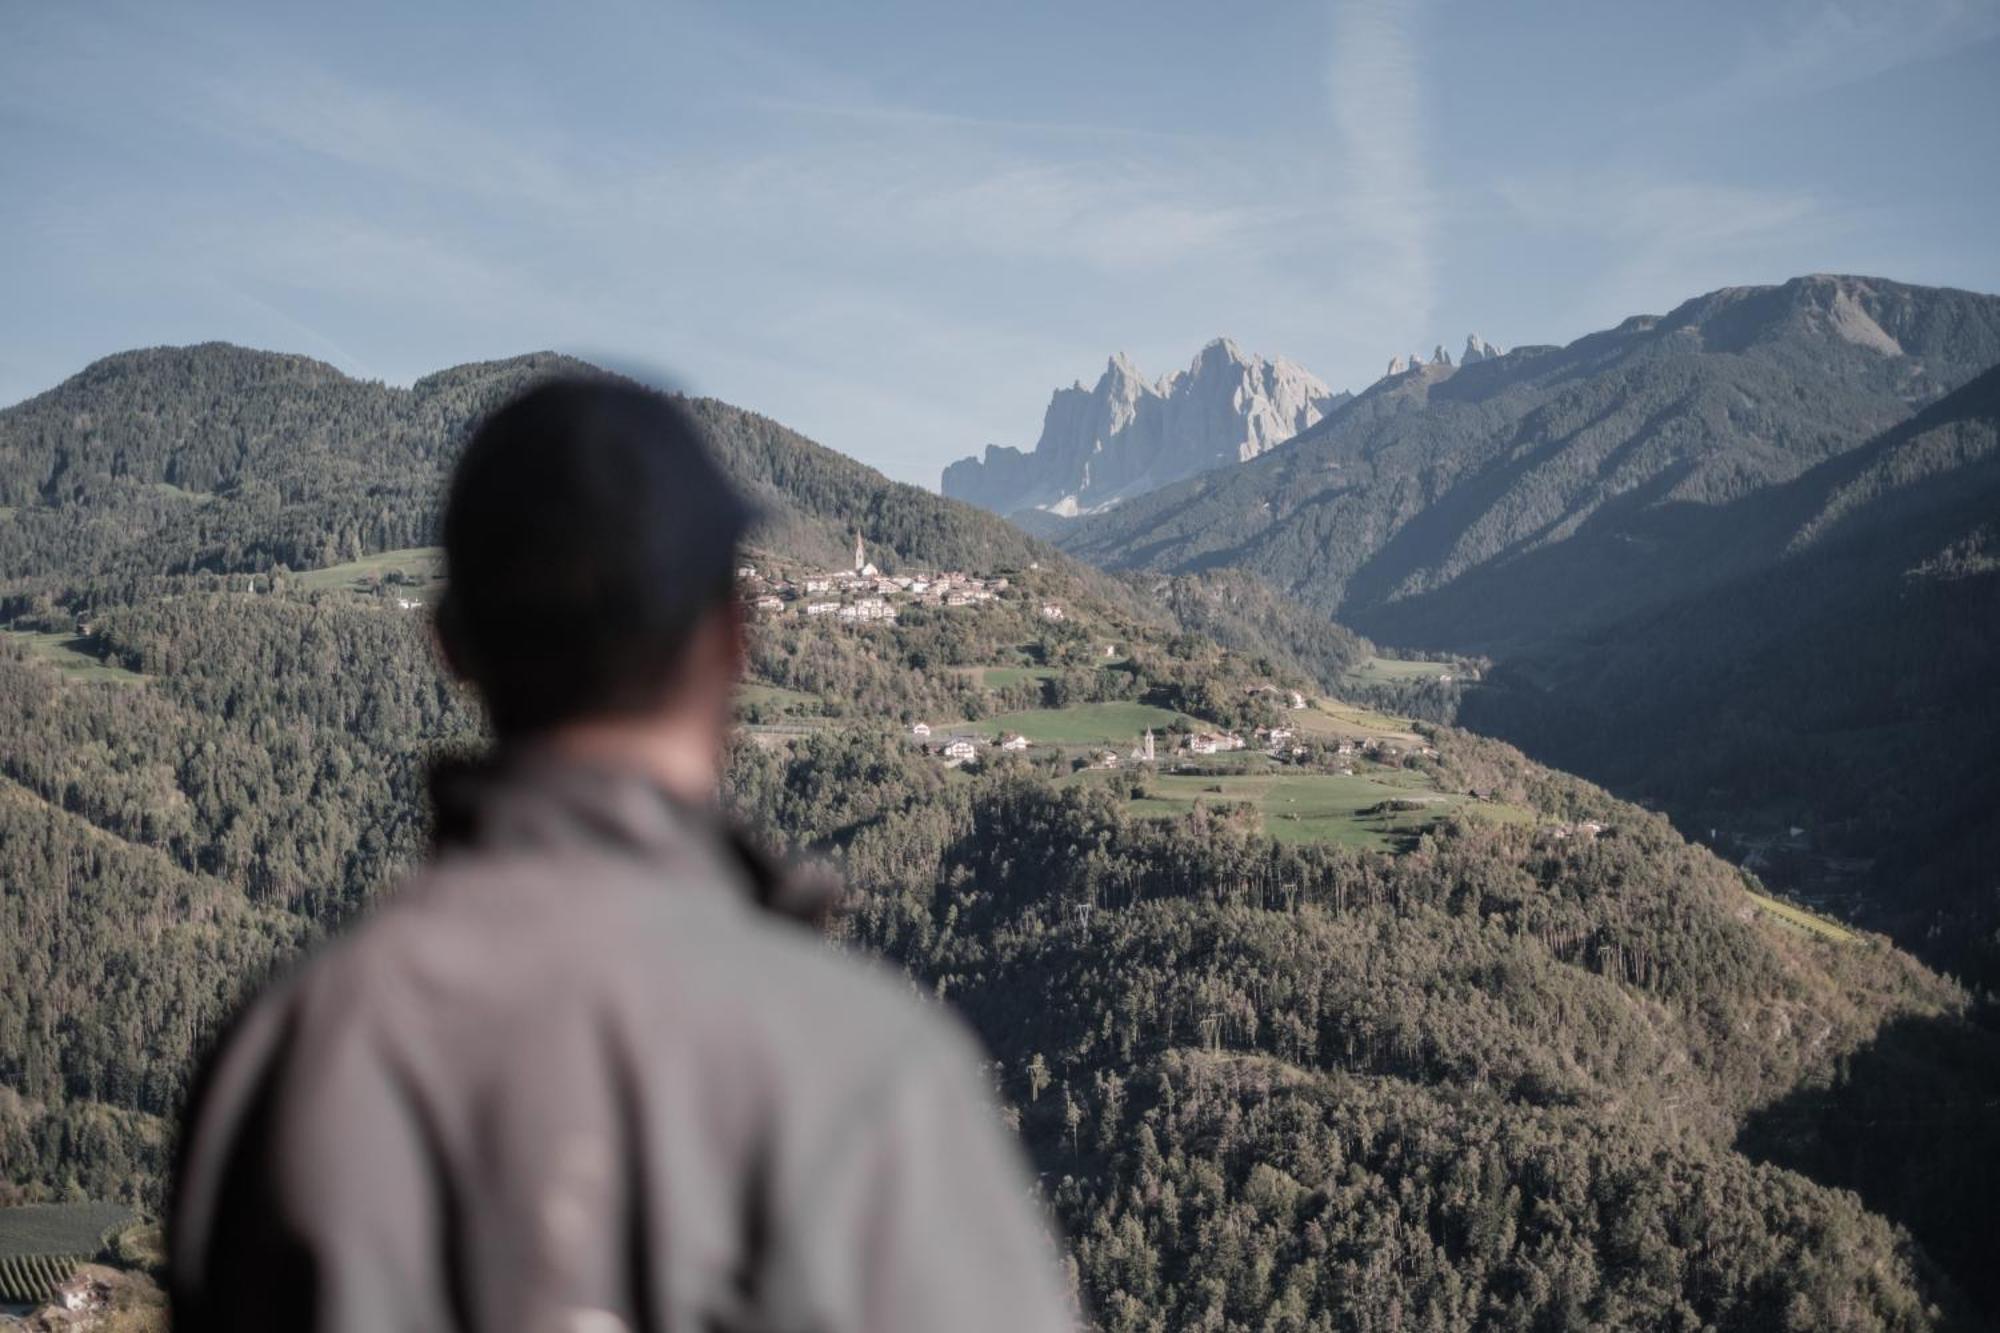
(591, 1069)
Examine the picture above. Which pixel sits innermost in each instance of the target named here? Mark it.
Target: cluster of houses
(961, 747)
(864, 593)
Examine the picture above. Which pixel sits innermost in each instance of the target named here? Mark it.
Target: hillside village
(864, 593)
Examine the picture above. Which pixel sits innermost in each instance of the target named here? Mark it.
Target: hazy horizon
(897, 233)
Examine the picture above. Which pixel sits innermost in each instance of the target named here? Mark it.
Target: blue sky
(896, 227)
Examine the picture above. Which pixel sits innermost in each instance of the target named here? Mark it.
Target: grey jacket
(581, 1074)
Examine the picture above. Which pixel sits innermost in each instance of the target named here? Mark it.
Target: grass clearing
(1393, 670)
(423, 563)
(1308, 807)
(1085, 724)
(1331, 717)
(1799, 917)
(72, 655)
(999, 677)
(773, 696)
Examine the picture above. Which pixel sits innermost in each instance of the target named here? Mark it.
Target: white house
(959, 750)
(1013, 741)
(921, 730)
(769, 603)
(822, 608)
(746, 571)
(1050, 611)
(819, 585)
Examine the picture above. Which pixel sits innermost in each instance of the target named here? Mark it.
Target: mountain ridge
(1426, 475)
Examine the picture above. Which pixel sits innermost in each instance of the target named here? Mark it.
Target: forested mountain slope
(1844, 686)
(1561, 474)
(1496, 1050)
(226, 459)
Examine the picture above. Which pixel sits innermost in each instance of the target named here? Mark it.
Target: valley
(1371, 1019)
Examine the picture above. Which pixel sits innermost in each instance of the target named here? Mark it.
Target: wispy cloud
(1805, 46)
(1384, 197)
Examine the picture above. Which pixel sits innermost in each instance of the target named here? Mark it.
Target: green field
(774, 696)
(1811, 922)
(422, 563)
(1330, 717)
(70, 654)
(1321, 807)
(999, 677)
(1392, 670)
(1085, 724)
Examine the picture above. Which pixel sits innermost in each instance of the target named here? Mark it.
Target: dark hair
(586, 532)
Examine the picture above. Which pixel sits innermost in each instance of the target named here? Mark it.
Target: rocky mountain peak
(1477, 349)
(1128, 435)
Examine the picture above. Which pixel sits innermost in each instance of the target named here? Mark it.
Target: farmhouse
(822, 608)
(1013, 741)
(769, 603)
(921, 730)
(1106, 759)
(959, 749)
(1213, 742)
(1051, 611)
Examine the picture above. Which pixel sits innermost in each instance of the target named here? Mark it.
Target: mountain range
(1768, 509)
(1503, 1052)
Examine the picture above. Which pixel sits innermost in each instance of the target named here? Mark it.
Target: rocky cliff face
(1127, 436)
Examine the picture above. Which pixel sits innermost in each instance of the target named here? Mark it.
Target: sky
(897, 227)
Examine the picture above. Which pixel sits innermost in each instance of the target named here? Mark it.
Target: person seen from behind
(591, 1070)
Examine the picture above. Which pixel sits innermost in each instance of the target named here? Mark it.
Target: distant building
(1051, 611)
(822, 608)
(746, 571)
(921, 730)
(862, 568)
(1213, 742)
(769, 603)
(1013, 741)
(1142, 753)
(960, 749)
(1297, 700)
(1106, 759)
(819, 585)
